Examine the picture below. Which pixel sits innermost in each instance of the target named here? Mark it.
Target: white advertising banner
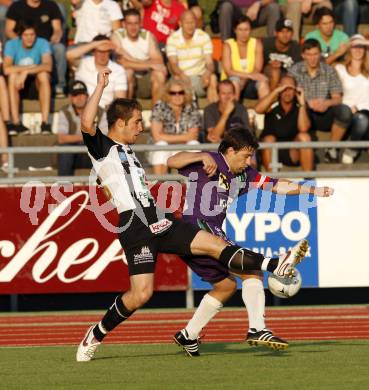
(343, 234)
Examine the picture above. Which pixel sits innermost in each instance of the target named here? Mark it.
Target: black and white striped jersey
(121, 172)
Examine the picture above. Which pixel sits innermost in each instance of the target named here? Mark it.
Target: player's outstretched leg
(288, 261)
(241, 260)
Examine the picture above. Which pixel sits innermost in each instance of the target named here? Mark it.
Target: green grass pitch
(305, 365)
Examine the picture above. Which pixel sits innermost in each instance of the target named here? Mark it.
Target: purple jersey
(207, 198)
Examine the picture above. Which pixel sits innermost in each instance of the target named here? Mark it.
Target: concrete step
(23, 161)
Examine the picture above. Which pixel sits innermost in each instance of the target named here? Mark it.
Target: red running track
(158, 327)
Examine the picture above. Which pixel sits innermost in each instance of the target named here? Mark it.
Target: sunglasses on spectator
(173, 93)
(359, 47)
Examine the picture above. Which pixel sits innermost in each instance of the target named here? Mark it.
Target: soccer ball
(285, 287)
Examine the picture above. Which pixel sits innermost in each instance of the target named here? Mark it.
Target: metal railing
(275, 165)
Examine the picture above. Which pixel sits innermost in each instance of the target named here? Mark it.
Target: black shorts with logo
(141, 255)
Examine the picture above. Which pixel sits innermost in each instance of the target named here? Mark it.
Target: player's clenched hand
(324, 191)
(210, 166)
(103, 77)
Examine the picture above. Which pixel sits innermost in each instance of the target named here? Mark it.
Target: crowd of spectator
(163, 51)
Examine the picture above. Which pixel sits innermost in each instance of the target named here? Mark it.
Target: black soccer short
(141, 257)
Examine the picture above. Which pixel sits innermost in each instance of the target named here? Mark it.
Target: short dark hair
(23, 25)
(238, 137)
(242, 19)
(226, 82)
(131, 12)
(121, 108)
(323, 11)
(100, 37)
(310, 44)
(288, 76)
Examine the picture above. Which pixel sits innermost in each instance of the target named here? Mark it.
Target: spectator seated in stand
(286, 119)
(333, 42)
(280, 52)
(69, 129)
(217, 116)
(351, 13)
(4, 5)
(96, 17)
(138, 52)
(323, 94)
(47, 19)
(189, 51)
(303, 12)
(174, 120)
(89, 65)
(242, 62)
(4, 98)
(261, 13)
(28, 65)
(354, 75)
(160, 17)
(199, 16)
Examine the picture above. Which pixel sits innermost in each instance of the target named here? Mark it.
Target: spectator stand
(32, 119)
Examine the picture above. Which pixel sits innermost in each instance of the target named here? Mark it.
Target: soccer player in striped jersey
(215, 180)
(144, 230)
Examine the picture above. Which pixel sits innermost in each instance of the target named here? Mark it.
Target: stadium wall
(59, 240)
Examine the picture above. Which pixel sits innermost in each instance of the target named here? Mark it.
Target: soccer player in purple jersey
(215, 180)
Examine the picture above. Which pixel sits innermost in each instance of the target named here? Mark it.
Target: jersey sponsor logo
(143, 197)
(224, 200)
(223, 203)
(223, 182)
(145, 256)
(161, 226)
(241, 177)
(122, 156)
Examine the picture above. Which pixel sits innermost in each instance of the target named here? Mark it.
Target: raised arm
(264, 104)
(79, 51)
(303, 120)
(182, 159)
(10, 28)
(89, 113)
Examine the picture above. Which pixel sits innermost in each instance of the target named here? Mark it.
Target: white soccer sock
(208, 308)
(254, 298)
